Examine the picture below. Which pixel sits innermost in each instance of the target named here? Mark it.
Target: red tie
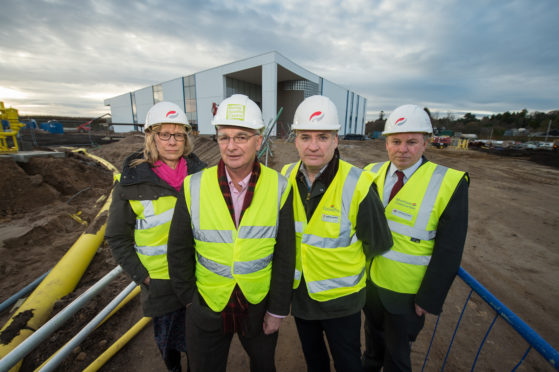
(398, 185)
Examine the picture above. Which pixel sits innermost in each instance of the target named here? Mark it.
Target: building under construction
(271, 80)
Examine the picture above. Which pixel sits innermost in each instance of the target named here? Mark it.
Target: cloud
(64, 57)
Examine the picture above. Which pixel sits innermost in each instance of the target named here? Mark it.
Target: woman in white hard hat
(140, 216)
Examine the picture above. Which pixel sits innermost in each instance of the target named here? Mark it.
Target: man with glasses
(340, 225)
(232, 247)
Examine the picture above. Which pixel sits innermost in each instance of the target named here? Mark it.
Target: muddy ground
(511, 249)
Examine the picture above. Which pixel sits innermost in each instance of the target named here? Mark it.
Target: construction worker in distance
(140, 215)
(426, 206)
(339, 225)
(232, 247)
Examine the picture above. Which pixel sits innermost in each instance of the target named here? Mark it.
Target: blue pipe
(533, 338)
(22, 292)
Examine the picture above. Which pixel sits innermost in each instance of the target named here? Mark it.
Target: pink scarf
(174, 177)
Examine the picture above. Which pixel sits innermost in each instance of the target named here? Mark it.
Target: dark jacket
(141, 183)
(371, 228)
(445, 259)
(181, 248)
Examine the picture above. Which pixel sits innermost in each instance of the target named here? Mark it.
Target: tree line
(496, 125)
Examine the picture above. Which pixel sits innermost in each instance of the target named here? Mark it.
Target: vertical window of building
(189, 83)
(134, 113)
(234, 86)
(351, 113)
(157, 93)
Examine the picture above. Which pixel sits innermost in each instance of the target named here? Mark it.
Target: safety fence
(533, 339)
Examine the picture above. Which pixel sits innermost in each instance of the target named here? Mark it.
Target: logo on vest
(405, 204)
(404, 215)
(331, 209)
(330, 218)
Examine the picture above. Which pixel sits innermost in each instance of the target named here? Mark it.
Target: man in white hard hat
(426, 206)
(340, 225)
(232, 247)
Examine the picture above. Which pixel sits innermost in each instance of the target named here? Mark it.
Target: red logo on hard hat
(172, 114)
(316, 115)
(400, 121)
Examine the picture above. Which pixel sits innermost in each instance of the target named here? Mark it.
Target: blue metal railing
(534, 340)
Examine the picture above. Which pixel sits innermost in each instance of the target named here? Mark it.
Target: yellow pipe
(61, 280)
(126, 299)
(108, 354)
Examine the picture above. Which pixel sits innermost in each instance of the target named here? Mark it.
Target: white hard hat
(240, 111)
(408, 119)
(316, 113)
(165, 113)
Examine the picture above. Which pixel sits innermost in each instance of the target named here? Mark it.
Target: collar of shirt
(407, 172)
(237, 197)
(391, 178)
(303, 170)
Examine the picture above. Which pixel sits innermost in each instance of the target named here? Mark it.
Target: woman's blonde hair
(151, 155)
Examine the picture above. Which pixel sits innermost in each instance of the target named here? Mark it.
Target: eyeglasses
(240, 138)
(165, 136)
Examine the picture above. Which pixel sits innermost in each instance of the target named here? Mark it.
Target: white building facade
(271, 80)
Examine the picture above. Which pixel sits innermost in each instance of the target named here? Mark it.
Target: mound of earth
(510, 249)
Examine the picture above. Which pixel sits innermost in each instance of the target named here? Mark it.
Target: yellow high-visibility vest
(328, 251)
(413, 216)
(153, 220)
(226, 255)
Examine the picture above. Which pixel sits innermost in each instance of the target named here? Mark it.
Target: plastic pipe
(127, 299)
(119, 344)
(81, 335)
(22, 292)
(25, 347)
(62, 279)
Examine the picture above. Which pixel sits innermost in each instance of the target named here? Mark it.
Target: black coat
(141, 183)
(445, 259)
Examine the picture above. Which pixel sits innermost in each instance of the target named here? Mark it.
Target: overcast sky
(65, 57)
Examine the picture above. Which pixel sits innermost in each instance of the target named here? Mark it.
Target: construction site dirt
(511, 249)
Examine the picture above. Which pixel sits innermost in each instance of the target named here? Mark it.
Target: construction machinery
(10, 128)
(441, 142)
(86, 127)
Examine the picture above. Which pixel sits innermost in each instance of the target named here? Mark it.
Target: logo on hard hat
(172, 114)
(315, 116)
(400, 121)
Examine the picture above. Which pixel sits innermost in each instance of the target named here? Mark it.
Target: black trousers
(169, 332)
(208, 345)
(344, 341)
(388, 336)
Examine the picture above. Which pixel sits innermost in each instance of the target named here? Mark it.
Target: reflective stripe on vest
(290, 169)
(376, 167)
(345, 225)
(151, 250)
(407, 258)
(317, 241)
(149, 221)
(238, 267)
(153, 218)
(226, 236)
(419, 231)
(228, 255)
(324, 285)
(429, 190)
(150, 218)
